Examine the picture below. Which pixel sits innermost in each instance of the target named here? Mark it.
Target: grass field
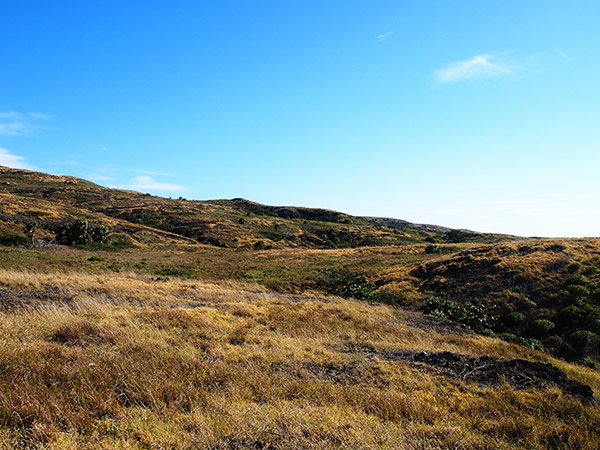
(122, 361)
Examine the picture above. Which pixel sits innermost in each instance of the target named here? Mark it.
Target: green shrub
(526, 342)
(561, 296)
(433, 248)
(514, 318)
(541, 327)
(578, 280)
(468, 315)
(574, 267)
(577, 292)
(456, 236)
(343, 282)
(259, 245)
(81, 232)
(526, 304)
(582, 338)
(571, 315)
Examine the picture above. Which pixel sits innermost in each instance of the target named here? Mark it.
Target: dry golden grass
(123, 362)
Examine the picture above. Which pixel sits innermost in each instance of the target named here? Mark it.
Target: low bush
(433, 248)
(526, 342)
(81, 232)
(457, 236)
(541, 327)
(469, 315)
(582, 338)
(343, 282)
(260, 245)
(578, 280)
(514, 318)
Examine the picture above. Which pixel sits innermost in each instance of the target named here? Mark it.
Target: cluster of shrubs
(568, 325)
(457, 236)
(81, 232)
(343, 282)
(475, 317)
(433, 248)
(78, 233)
(577, 321)
(260, 245)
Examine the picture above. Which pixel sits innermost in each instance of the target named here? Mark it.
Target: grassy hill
(236, 223)
(183, 333)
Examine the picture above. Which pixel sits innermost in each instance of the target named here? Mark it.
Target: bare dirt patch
(485, 370)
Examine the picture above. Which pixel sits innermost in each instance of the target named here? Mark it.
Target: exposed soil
(485, 370)
(12, 299)
(439, 325)
(351, 373)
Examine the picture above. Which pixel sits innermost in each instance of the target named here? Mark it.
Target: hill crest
(234, 223)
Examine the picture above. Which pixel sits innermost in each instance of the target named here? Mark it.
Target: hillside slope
(236, 223)
(543, 290)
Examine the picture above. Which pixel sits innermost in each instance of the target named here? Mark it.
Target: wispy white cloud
(9, 159)
(481, 66)
(144, 182)
(14, 123)
(98, 177)
(101, 174)
(384, 36)
(40, 115)
(150, 172)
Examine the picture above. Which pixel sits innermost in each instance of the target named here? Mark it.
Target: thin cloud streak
(478, 67)
(150, 172)
(102, 174)
(8, 159)
(145, 182)
(17, 124)
(384, 36)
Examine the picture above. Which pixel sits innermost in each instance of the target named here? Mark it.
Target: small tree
(30, 228)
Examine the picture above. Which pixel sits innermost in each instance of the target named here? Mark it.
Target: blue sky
(475, 114)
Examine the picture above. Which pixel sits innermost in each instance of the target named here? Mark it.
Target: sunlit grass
(128, 362)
